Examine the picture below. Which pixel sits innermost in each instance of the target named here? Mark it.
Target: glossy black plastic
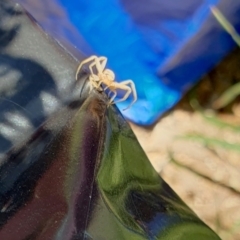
(70, 167)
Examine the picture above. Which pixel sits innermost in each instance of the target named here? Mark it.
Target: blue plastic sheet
(163, 46)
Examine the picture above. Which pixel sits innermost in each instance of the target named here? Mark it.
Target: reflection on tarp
(70, 167)
(83, 175)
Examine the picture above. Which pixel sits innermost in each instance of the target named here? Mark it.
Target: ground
(204, 173)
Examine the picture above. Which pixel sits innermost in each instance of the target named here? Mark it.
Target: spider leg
(94, 81)
(109, 93)
(84, 62)
(91, 86)
(104, 62)
(127, 89)
(132, 88)
(113, 96)
(106, 88)
(99, 84)
(91, 66)
(99, 66)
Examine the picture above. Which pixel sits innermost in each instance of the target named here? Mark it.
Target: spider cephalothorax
(107, 77)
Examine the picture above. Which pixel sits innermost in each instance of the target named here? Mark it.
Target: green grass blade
(213, 119)
(212, 142)
(221, 124)
(226, 24)
(228, 96)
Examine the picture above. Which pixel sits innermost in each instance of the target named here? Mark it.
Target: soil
(205, 176)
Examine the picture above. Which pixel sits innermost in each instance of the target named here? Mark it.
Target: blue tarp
(163, 46)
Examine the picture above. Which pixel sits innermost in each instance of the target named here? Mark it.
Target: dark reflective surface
(70, 167)
(83, 175)
(36, 76)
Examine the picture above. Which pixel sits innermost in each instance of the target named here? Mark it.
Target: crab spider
(107, 77)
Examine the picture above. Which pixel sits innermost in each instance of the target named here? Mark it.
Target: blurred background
(162, 46)
(185, 63)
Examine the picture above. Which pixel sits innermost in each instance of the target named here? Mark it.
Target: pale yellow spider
(107, 77)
